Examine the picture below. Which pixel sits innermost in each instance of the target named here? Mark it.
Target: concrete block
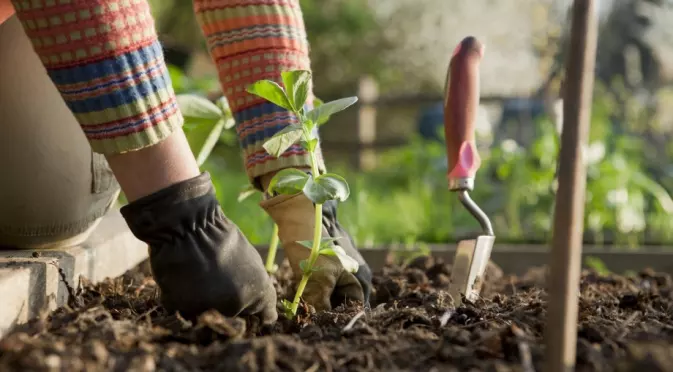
(30, 281)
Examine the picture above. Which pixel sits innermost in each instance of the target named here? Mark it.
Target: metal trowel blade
(468, 268)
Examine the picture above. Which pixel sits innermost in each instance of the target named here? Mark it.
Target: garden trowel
(461, 103)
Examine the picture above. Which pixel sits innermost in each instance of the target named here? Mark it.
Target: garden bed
(624, 324)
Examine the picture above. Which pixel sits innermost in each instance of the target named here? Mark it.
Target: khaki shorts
(53, 188)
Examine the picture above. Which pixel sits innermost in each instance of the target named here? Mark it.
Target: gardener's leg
(251, 41)
(54, 189)
(106, 61)
(108, 65)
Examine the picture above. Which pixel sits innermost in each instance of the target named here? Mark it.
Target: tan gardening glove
(331, 285)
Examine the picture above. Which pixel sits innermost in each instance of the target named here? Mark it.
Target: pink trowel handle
(460, 110)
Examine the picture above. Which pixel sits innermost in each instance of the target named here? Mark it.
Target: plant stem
(273, 246)
(315, 253)
(315, 247)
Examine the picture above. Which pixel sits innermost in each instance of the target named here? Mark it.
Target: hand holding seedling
(320, 252)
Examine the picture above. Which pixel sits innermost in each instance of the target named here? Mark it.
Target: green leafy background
(405, 199)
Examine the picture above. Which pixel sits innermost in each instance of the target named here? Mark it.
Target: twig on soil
(350, 324)
(146, 314)
(625, 325)
(323, 358)
(524, 349)
(314, 367)
(472, 325)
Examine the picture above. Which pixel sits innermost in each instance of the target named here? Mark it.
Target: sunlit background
(395, 160)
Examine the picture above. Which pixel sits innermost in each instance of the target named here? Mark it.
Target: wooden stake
(565, 265)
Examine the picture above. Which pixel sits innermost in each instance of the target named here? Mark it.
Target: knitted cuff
(106, 61)
(251, 41)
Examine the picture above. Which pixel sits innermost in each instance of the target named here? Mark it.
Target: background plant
(629, 178)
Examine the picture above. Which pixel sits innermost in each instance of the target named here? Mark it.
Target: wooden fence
(369, 102)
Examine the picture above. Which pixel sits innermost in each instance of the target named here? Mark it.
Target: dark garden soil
(625, 324)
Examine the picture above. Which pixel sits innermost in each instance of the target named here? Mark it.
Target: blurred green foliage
(345, 39)
(405, 199)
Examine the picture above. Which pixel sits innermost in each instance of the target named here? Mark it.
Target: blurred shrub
(346, 41)
(406, 200)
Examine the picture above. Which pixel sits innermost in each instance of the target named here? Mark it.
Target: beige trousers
(53, 188)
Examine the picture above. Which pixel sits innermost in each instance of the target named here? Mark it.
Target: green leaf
(324, 243)
(348, 262)
(310, 145)
(655, 189)
(195, 123)
(228, 116)
(229, 123)
(289, 181)
(322, 113)
(246, 192)
(179, 80)
(303, 265)
(328, 186)
(309, 125)
(270, 91)
(317, 102)
(210, 142)
(193, 106)
(287, 306)
(223, 104)
(282, 140)
(306, 243)
(296, 85)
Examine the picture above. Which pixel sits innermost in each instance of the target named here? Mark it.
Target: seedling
(319, 188)
(205, 122)
(249, 190)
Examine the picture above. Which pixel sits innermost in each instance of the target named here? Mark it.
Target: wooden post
(368, 93)
(565, 265)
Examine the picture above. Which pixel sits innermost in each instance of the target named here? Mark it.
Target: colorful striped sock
(106, 61)
(251, 40)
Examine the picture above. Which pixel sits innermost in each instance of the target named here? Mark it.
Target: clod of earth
(624, 325)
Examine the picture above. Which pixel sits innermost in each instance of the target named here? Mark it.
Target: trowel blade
(469, 266)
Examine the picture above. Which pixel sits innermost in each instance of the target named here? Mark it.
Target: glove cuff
(172, 211)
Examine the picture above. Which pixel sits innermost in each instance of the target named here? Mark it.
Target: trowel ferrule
(459, 184)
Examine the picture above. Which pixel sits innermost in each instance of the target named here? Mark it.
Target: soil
(624, 325)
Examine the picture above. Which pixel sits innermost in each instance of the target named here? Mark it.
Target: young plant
(205, 122)
(319, 188)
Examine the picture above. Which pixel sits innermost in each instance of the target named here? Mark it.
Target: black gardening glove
(199, 258)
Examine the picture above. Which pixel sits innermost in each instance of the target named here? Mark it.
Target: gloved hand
(199, 258)
(331, 284)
